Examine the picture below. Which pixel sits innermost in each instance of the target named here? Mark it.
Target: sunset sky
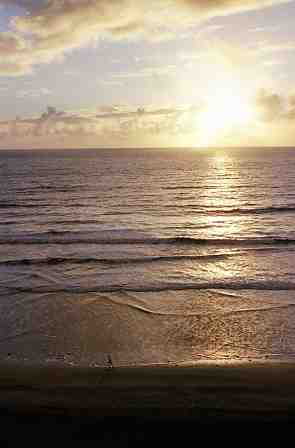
(91, 73)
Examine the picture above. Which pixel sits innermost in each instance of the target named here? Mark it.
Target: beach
(230, 392)
(128, 293)
(147, 220)
(102, 253)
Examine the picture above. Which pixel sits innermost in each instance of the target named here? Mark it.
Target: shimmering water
(147, 256)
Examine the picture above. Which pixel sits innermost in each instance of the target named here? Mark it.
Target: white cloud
(112, 123)
(33, 93)
(50, 28)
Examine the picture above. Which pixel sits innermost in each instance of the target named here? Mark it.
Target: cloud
(113, 122)
(265, 29)
(120, 125)
(119, 122)
(270, 105)
(49, 28)
(148, 72)
(267, 47)
(32, 93)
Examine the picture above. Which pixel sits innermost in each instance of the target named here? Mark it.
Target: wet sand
(204, 393)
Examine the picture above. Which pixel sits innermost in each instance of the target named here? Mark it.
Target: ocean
(145, 257)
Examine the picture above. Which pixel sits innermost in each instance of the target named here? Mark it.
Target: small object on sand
(110, 362)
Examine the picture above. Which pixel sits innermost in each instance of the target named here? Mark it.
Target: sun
(228, 110)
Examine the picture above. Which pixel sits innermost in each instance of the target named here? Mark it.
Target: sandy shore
(255, 391)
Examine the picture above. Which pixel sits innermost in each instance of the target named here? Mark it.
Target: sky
(146, 73)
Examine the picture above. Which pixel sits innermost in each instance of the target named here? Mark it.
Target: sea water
(147, 256)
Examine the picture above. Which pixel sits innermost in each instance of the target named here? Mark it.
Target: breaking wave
(129, 237)
(239, 285)
(111, 261)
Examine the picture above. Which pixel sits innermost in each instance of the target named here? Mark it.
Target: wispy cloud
(270, 105)
(265, 29)
(110, 82)
(33, 93)
(147, 72)
(47, 29)
(268, 47)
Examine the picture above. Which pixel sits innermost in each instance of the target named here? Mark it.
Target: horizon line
(152, 148)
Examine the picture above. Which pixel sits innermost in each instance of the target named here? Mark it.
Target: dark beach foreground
(252, 391)
(120, 405)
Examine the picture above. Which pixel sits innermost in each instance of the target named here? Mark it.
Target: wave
(234, 211)
(242, 285)
(255, 211)
(4, 205)
(53, 223)
(111, 261)
(209, 187)
(118, 237)
(9, 223)
(196, 208)
(215, 313)
(38, 204)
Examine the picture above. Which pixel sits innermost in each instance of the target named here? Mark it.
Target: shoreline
(263, 391)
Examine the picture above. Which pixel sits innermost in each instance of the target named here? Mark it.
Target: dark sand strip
(252, 391)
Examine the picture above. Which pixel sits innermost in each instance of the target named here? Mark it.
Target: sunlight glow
(228, 110)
